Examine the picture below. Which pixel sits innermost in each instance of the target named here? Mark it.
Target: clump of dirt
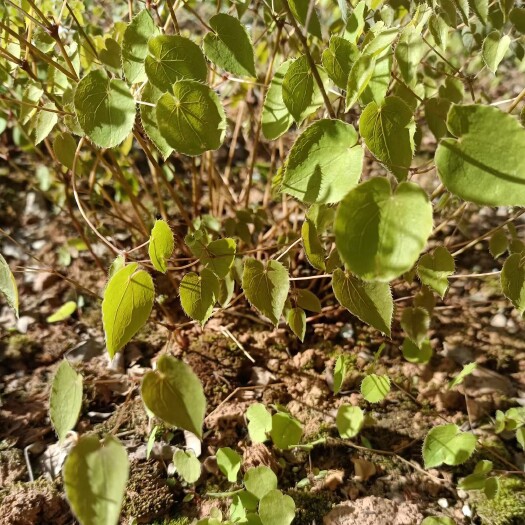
(373, 510)
(148, 496)
(12, 466)
(33, 504)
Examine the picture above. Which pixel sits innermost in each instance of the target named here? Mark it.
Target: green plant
(390, 75)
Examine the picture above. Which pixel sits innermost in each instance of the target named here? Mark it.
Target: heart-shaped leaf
(494, 49)
(135, 46)
(379, 234)
(95, 476)
(161, 245)
(286, 431)
(187, 465)
(105, 108)
(296, 319)
(369, 301)
(174, 394)
(192, 119)
(266, 287)
(172, 58)
(127, 304)
(65, 399)
(324, 164)
(219, 255)
(259, 481)
(447, 444)
(388, 131)
(415, 322)
(467, 164)
(349, 421)
(198, 294)
(229, 46)
(229, 463)
(276, 508)
(375, 388)
(276, 119)
(259, 422)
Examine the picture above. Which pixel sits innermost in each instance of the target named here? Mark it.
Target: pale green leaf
(434, 268)
(105, 109)
(304, 11)
(229, 463)
(349, 421)
(64, 147)
(378, 85)
(356, 22)
(226, 289)
(417, 354)
(381, 41)
(358, 78)
(410, 50)
(161, 245)
(259, 422)
(8, 286)
(286, 431)
(63, 313)
(467, 370)
(494, 49)
(415, 321)
(44, 122)
(148, 117)
(375, 388)
(187, 465)
(172, 58)
(259, 481)
(276, 119)
(513, 281)
(308, 300)
(266, 286)
(380, 234)
(135, 46)
(219, 255)
(313, 248)
(95, 476)
(192, 119)
(296, 319)
(388, 130)
(498, 243)
(198, 294)
(447, 444)
(276, 508)
(468, 165)
(229, 46)
(65, 399)
(301, 94)
(340, 370)
(325, 162)
(369, 301)
(128, 300)
(175, 395)
(338, 59)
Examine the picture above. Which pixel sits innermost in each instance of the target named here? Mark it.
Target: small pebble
(467, 511)
(498, 321)
(443, 503)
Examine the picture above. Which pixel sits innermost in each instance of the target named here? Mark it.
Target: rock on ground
(373, 510)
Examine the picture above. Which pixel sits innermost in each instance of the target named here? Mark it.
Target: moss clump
(508, 508)
(310, 506)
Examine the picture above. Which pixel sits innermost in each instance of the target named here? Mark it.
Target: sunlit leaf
(105, 108)
(127, 304)
(447, 444)
(95, 476)
(379, 234)
(198, 294)
(63, 313)
(187, 465)
(349, 421)
(266, 286)
(375, 388)
(324, 164)
(65, 399)
(175, 395)
(161, 245)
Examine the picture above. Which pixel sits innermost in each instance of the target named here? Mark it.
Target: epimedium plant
(342, 86)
